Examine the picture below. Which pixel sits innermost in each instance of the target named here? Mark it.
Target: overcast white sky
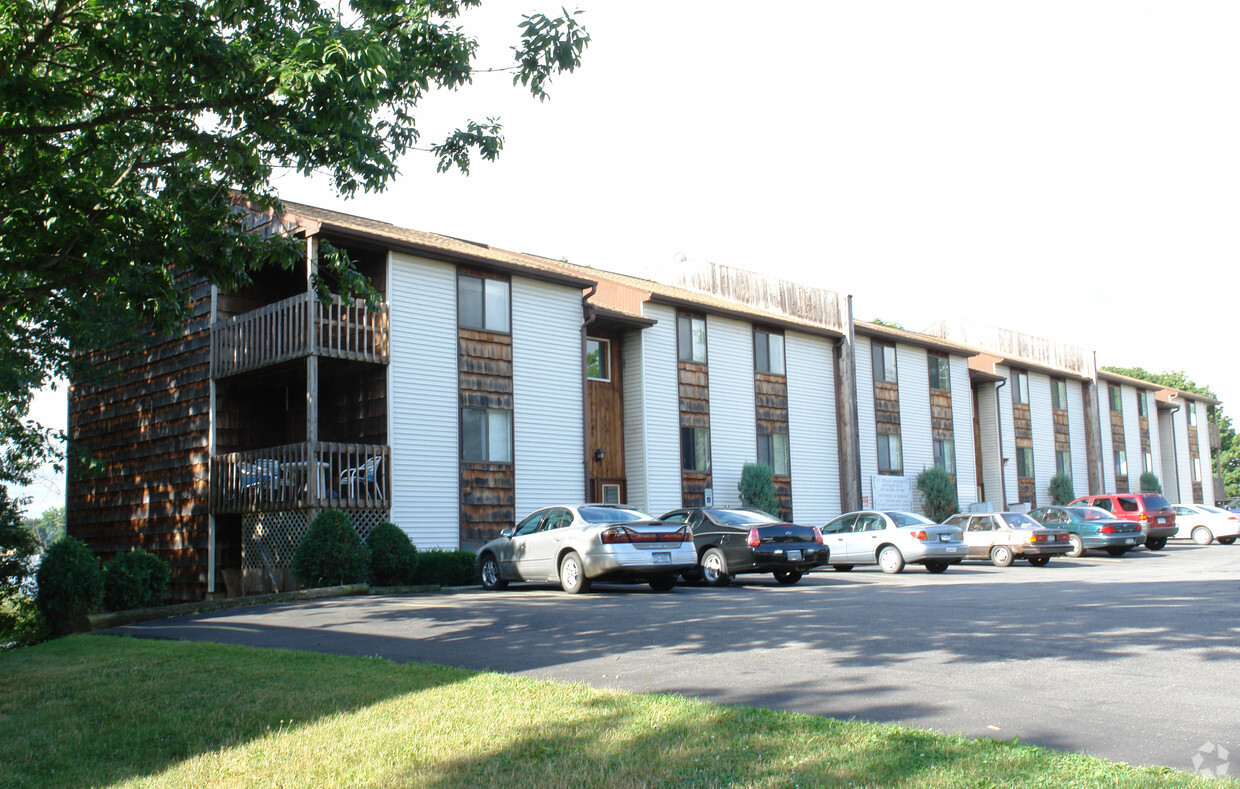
(1066, 169)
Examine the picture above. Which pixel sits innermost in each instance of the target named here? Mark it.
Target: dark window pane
(470, 295)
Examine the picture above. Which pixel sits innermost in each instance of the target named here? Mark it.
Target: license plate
(662, 557)
(794, 556)
(1129, 541)
(951, 550)
(1162, 520)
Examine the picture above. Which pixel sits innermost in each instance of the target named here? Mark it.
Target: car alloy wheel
(1078, 547)
(572, 575)
(715, 568)
(890, 560)
(1202, 536)
(490, 574)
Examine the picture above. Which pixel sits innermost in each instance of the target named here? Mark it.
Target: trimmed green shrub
(393, 559)
(331, 553)
(446, 568)
(70, 585)
(136, 579)
(21, 622)
(938, 493)
(1061, 489)
(1150, 483)
(757, 488)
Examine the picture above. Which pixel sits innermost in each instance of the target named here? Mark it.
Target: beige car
(1003, 536)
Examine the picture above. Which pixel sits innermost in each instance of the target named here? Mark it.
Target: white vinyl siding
(1108, 446)
(733, 420)
(916, 437)
(812, 428)
(1132, 437)
(1076, 438)
(1167, 463)
(548, 436)
(423, 405)
(1155, 439)
(1203, 446)
(1184, 461)
(987, 416)
(1008, 434)
(1042, 422)
(962, 427)
(652, 414)
(867, 425)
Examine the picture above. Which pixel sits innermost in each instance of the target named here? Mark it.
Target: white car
(1203, 523)
(575, 545)
(892, 540)
(1003, 536)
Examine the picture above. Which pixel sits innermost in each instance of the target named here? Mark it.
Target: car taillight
(1061, 537)
(620, 534)
(614, 535)
(754, 540)
(920, 534)
(1037, 538)
(818, 535)
(1107, 530)
(1143, 517)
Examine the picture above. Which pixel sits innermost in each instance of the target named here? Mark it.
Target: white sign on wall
(891, 493)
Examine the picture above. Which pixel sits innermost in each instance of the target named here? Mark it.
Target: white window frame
(605, 346)
(1020, 387)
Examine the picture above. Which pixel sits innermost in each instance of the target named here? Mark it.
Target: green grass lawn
(105, 711)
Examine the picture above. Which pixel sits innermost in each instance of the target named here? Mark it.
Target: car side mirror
(506, 533)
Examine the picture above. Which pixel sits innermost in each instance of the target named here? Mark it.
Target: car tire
(1078, 546)
(843, 568)
(936, 567)
(1001, 556)
(663, 583)
(787, 577)
(489, 570)
(1116, 550)
(715, 568)
(1039, 561)
(1156, 543)
(1202, 535)
(890, 560)
(1226, 540)
(573, 574)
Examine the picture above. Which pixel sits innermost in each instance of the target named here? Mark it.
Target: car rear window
(1019, 520)
(1093, 513)
(909, 519)
(1156, 503)
(741, 517)
(611, 515)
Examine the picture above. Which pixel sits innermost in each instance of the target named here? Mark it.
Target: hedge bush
(70, 584)
(1061, 489)
(757, 488)
(938, 493)
(136, 579)
(21, 622)
(446, 568)
(393, 558)
(331, 553)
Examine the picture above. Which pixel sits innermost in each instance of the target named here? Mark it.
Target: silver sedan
(576, 545)
(892, 540)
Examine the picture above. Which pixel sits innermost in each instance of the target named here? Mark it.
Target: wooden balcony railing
(298, 327)
(302, 476)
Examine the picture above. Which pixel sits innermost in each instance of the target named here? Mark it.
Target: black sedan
(730, 541)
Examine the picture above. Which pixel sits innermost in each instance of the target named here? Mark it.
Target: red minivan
(1150, 510)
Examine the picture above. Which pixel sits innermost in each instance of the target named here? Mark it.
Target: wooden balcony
(297, 327)
(302, 476)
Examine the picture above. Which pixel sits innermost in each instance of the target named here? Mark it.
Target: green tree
(131, 130)
(757, 488)
(1149, 482)
(48, 527)
(1229, 450)
(1061, 489)
(938, 493)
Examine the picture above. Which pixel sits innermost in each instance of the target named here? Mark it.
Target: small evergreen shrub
(136, 579)
(446, 568)
(1150, 483)
(938, 493)
(1061, 489)
(393, 559)
(757, 488)
(331, 553)
(21, 622)
(70, 585)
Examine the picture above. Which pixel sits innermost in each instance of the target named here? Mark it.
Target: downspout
(1175, 449)
(588, 315)
(999, 432)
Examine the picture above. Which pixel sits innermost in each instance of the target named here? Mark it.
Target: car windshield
(1153, 502)
(611, 515)
(1090, 513)
(740, 517)
(909, 519)
(1019, 520)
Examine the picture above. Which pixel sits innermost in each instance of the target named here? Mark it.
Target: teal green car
(1091, 528)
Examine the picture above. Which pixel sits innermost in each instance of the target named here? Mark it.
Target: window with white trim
(486, 435)
(1020, 387)
(598, 359)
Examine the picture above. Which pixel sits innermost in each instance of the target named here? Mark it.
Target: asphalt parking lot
(1129, 659)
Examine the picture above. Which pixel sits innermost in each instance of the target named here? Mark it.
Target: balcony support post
(312, 378)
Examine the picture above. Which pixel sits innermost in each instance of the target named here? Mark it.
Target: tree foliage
(757, 488)
(1149, 482)
(1061, 489)
(1229, 446)
(938, 493)
(48, 527)
(131, 130)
